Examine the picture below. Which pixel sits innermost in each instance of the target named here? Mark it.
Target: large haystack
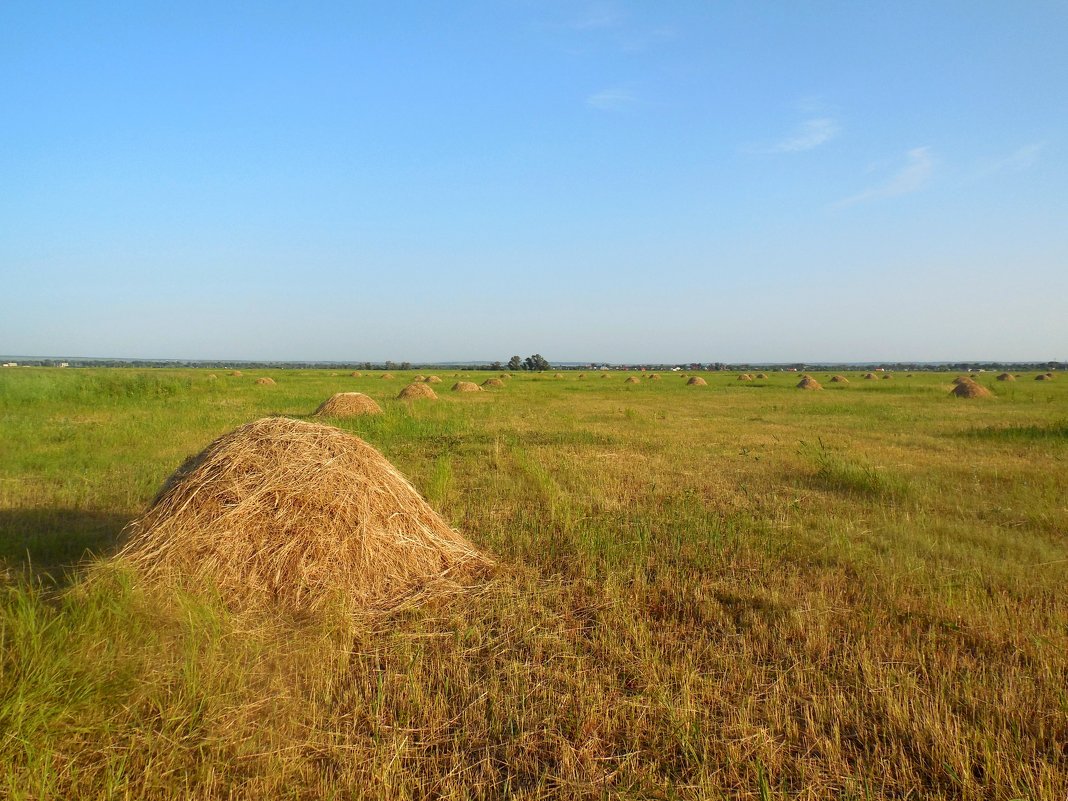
(745, 377)
(267, 382)
(962, 379)
(696, 381)
(387, 376)
(969, 389)
(356, 374)
(1044, 377)
(466, 386)
(808, 383)
(839, 379)
(432, 379)
(632, 380)
(869, 376)
(1006, 377)
(348, 404)
(417, 390)
(296, 516)
(493, 382)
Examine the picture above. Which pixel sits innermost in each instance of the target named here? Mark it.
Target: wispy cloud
(919, 164)
(1022, 158)
(811, 134)
(611, 100)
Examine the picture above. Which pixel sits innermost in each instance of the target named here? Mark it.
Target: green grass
(731, 591)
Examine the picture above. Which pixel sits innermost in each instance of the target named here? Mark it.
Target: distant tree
(515, 363)
(390, 365)
(496, 366)
(406, 365)
(535, 362)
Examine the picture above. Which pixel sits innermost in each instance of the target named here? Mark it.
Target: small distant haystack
(466, 386)
(386, 376)
(416, 391)
(886, 376)
(808, 383)
(869, 376)
(432, 379)
(696, 381)
(236, 373)
(493, 382)
(582, 375)
(558, 375)
(761, 376)
(348, 404)
(745, 377)
(298, 518)
(1006, 377)
(1044, 377)
(969, 389)
(506, 375)
(632, 380)
(213, 377)
(356, 374)
(267, 382)
(839, 379)
(654, 377)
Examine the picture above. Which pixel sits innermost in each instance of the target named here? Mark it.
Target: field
(742, 590)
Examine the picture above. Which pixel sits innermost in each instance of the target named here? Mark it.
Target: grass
(729, 591)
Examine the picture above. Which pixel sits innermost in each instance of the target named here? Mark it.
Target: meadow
(741, 590)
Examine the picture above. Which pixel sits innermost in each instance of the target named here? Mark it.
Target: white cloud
(812, 133)
(919, 164)
(611, 100)
(1020, 159)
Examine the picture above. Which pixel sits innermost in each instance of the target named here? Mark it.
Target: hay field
(742, 590)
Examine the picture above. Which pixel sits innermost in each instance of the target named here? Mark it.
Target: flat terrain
(742, 590)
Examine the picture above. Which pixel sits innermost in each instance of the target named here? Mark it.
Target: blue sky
(667, 181)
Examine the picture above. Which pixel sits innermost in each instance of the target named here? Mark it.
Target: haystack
(582, 375)
(417, 390)
(466, 386)
(506, 375)
(761, 376)
(348, 404)
(969, 389)
(886, 376)
(632, 380)
(745, 377)
(493, 382)
(1043, 377)
(268, 382)
(293, 516)
(1006, 377)
(235, 373)
(696, 381)
(387, 376)
(558, 375)
(432, 379)
(356, 374)
(808, 383)
(869, 376)
(962, 379)
(654, 377)
(605, 375)
(213, 377)
(839, 379)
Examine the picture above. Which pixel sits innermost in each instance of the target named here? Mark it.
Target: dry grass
(761, 376)
(1044, 377)
(808, 383)
(745, 377)
(432, 379)
(963, 379)
(466, 386)
(266, 382)
(654, 377)
(1006, 377)
(493, 382)
(696, 381)
(632, 379)
(970, 389)
(356, 374)
(839, 379)
(386, 376)
(417, 390)
(870, 376)
(348, 404)
(235, 373)
(296, 517)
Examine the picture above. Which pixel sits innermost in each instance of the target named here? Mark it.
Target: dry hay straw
(839, 379)
(213, 377)
(745, 377)
(962, 379)
(506, 375)
(654, 377)
(582, 375)
(808, 383)
(1044, 377)
(356, 374)
(432, 379)
(969, 389)
(696, 381)
(632, 380)
(761, 376)
(493, 382)
(417, 390)
(869, 376)
(886, 376)
(296, 517)
(1006, 377)
(386, 376)
(267, 382)
(605, 375)
(466, 386)
(235, 373)
(348, 404)
(558, 375)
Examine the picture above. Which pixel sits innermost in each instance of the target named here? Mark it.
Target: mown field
(741, 590)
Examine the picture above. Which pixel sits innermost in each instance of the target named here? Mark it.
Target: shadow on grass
(1052, 432)
(51, 543)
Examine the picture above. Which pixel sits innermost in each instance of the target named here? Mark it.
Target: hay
(654, 377)
(582, 375)
(1043, 377)
(886, 376)
(213, 377)
(961, 379)
(839, 379)
(745, 377)
(808, 383)
(417, 390)
(969, 389)
(348, 404)
(432, 379)
(605, 375)
(1006, 377)
(632, 380)
(493, 382)
(235, 373)
(696, 381)
(356, 374)
(296, 517)
(267, 382)
(466, 386)
(869, 376)
(506, 375)
(558, 375)
(387, 376)
(761, 376)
